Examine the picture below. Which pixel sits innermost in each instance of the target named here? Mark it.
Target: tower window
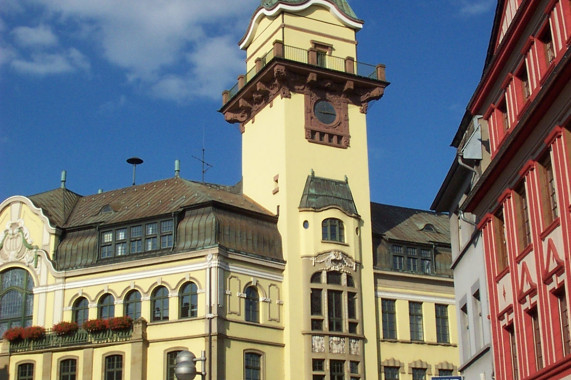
(160, 304)
(133, 304)
(80, 311)
(332, 230)
(106, 307)
(188, 300)
(252, 304)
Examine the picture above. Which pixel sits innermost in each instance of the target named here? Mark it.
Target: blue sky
(84, 85)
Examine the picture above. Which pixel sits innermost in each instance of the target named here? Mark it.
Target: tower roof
(342, 5)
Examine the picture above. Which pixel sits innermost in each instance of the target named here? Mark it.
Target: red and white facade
(522, 194)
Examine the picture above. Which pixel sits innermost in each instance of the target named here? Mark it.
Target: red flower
(14, 334)
(120, 323)
(34, 332)
(65, 328)
(95, 325)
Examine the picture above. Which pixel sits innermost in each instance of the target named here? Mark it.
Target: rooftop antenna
(134, 161)
(205, 165)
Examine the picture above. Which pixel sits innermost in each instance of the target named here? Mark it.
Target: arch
(25, 370)
(16, 298)
(186, 279)
(259, 288)
(160, 304)
(252, 304)
(104, 291)
(420, 364)
(188, 300)
(78, 295)
(129, 289)
(392, 362)
(157, 284)
(67, 367)
(106, 306)
(132, 304)
(80, 310)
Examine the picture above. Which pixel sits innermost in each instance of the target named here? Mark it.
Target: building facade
(414, 293)
(515, 185)
(273, 278)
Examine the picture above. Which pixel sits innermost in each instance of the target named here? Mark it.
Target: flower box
(65, 328)
(34, 332)
(120, 323)
(13, 334)
(95, 325)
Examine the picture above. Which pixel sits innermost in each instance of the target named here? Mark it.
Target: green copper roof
(342, 5)
(320, 193)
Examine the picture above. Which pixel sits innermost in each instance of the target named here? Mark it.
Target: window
(332, 230)
(522, 219)
(188, 300)
(80, 310)
(442, 335)
(252, 366)
(114, 367)
(547, 41)
(500, 240)
(564, 321)
(136, 239)
(26, 371)
(334, 302)
(418, 260)
(389, 319)
(16, 299)
(318, 367)
(68, 369)
(465, 331)
(106, 307)
(171, 365)
(419, 374)
(252, 304)
(445, 372)
(523, 82)
(415, 317)
(536, 338)
(513, 351)
(398, 262)
(337, 370)
(160, 304)
(334, 309)
(133, 304)
(478, 320)
(548, 194)
(391, 373)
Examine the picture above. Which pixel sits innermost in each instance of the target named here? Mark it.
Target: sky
(84, 85)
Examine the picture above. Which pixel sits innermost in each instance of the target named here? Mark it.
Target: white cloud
(51, 63)
(176, 49)
(475, 7)
(30, 37)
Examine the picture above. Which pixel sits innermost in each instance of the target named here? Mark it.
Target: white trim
(154, 273)
(296, 8)
(415, 297)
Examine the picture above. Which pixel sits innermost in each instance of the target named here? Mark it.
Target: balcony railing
(80, 337)
(312, 57)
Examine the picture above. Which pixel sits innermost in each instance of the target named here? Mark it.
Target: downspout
(209, 315)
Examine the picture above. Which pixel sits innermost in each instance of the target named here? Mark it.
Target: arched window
(252, 366)
(106, 307)
(332, 230)
(251, 304)
(16, 299)
(160, 304)
(114, 367)
(133, 304)
(68, 369)
(80, 311)
(26, 371)
(188, 300)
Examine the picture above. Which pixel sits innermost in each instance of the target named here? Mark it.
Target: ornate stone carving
(336, 345)
(16, 244)
(354, 346)
(335, 260)
(317, 344)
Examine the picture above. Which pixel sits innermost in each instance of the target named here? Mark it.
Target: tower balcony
(311, 57)
(286, 69)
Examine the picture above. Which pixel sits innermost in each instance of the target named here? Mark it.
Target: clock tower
(302, 111)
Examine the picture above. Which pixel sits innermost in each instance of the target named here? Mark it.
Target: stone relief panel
(336, 345)
(317, 343)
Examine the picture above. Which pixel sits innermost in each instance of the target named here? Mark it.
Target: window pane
(106, 307)
(114, 367)
(418, 374)
(389, 319)
(26, 371)
(136, 231)
(442, 324)
(121, 249)
(335, 314)
(107, 237)
(252, 366)
(16, 299)
(133, 305)
(166, 241)
(121, 234)
(252, 304)
(151, 228)
(167, 226)
(316, 302)
(136, 246)
(188, 300)
(337, 371)
(68, 369)
(151, 244)
(334, 278)
(171, 365)
(391, 373)
(80, 311)
(415, 316)
(160, 304)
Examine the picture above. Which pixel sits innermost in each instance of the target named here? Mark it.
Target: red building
(520, 191)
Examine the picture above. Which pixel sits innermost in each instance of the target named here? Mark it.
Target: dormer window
(143, 237)
(332, 230)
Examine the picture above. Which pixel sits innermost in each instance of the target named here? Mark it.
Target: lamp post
(185, 365)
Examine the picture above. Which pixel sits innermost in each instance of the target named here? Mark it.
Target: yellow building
(274, 278)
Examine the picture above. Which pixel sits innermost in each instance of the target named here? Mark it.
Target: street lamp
(185, 365)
